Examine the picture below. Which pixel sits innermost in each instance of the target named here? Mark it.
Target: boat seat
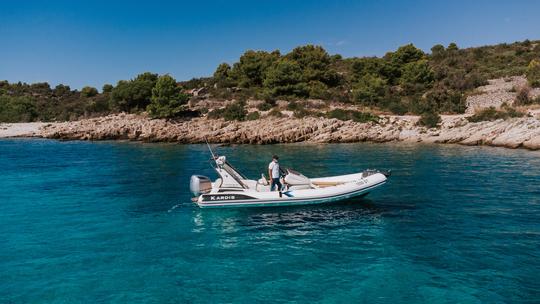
(326, 184)
(299, 187)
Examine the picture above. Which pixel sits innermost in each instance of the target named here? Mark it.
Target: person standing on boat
(274, 173)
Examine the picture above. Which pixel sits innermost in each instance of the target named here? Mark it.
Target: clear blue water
(113, 223)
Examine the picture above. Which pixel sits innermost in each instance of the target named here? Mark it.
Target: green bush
(251, 68)
(293, 105)
(216, 114)
(61, 90)
(135, 94)
(429, 119)
(444, 100)
(98, 105)
(303, 112)
(223, 76)
(284, 78)
(533, 73)
(314, 63)
(299, 109)
(89, 91)
(397, 108)
(107, 88)
(416, 76)
(491, 113)
(234, 111)
(167, 99)
(253, 115)
(318, 90)
(265, 106)
(17, 109)
(356, 116)
(369, 89)
(275, 112)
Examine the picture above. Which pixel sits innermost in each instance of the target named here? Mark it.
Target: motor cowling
(199, 184)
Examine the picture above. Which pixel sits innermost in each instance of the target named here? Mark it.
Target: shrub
(522, 97)
(251, 68)
(314, 63)
(438, 50)
(356, 116)
(406, 54)
(135, 94)
(490, 114)
(235, 111)
(416, 76)
(253, 115)
(318, 89)
(222, 76)
(293, 106)
(216, 114)
(303, 112)
(89, 91)
(275, 112)
(429, 119)
(17, 109)
(533, 73)
(98, 105)
(444, 100)
(284, 78)
(369, 89)
(267, 105)
(397, 108)
(107, 88)
(167, 99)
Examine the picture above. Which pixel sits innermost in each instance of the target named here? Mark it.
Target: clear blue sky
(95, 42)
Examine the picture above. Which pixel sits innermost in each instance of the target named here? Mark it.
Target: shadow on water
(338, 214)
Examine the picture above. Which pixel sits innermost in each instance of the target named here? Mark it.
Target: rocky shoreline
(510, 133)
(521, 132)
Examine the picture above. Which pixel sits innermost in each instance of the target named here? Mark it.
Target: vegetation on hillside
(406, 80)
(492, 113)
(167, 98)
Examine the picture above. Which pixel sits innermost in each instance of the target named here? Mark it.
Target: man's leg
(277, 183)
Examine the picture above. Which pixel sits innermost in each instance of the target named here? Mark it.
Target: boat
(233, 189)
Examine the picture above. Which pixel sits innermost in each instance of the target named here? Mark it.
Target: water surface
(113, 222)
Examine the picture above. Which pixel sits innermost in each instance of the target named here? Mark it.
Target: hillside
(404, 81)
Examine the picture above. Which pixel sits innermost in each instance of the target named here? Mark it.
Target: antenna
(209, 148)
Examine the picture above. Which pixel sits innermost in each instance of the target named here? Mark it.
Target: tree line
(406, 80)
(160, 96)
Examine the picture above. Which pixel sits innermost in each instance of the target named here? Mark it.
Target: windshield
(232, 171)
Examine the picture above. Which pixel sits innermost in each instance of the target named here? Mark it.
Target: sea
(113, 222)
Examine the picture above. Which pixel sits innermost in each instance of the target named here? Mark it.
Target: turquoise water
(113, 223)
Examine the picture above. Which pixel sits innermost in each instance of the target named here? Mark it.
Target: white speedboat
(233, 189)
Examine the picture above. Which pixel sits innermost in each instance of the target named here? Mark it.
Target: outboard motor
(199, 185)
